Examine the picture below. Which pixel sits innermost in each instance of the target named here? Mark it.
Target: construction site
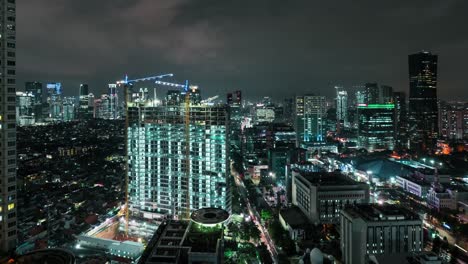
(176, 163)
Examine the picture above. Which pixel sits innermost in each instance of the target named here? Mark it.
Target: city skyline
(239, 132)
(217, 45)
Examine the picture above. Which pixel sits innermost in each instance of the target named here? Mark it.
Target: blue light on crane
(127, 81)
(182, 86)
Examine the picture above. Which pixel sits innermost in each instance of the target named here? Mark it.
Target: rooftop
(175, 240)
(383, 167)
(209, 216)
(374, 212)
(294, 217)
(47, 256)
(417, 180)
(326, 178)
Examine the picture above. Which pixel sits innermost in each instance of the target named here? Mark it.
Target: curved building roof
(209, 216)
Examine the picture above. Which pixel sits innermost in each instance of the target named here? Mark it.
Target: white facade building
(378, 230)
(321, 196)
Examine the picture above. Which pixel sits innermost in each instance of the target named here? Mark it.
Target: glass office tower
(423, 109)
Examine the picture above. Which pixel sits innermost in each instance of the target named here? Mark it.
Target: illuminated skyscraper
(54, 99)
(372, 93)
(8, 127)
(401, 119)
(376, 126)
(114, 109)
(24, 109)
(162, 172)
(234, 103)
(84, 89)
(36, 89)
(83, 106)
(68, 109)
(360, 97)
(310, 118)
(423, 127)
(342, 107)
(451, 117)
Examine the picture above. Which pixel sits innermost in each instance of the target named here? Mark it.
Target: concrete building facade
(8, 126)
(377, 230)
(321, 196)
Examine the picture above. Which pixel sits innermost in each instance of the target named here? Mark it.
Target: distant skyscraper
(54, 90)
(105, 107)
(264, 113)
(376, 126)
(342, 107)
(24, 109)
(234, 103)
(385, 94)
(360, 97)
(451, 119)
(8, 127)
(176, 97)
(372, 93)
(234, 98)
(173, 97)
(288, 109)
(160, 174)
(90, 110)
(423, 100)
(68, 109)
(113, 101)
(401, 119)
(54, 99)
(36, 89)
(310, 113)
(84, 89)
(84, 102)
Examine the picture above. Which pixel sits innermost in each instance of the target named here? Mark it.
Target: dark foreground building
(199, 240)
(423, 121)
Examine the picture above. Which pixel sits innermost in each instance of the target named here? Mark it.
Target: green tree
(266, 215)
(288, 245)
(436, 244)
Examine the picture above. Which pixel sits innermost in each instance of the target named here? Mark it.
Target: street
(264, 235)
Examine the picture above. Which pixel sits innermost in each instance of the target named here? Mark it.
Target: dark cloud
(264, 47)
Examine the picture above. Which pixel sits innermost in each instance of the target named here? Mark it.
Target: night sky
(272, 48)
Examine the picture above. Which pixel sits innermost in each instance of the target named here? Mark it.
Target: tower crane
(126, 82)
(186, 88)
(210, 99)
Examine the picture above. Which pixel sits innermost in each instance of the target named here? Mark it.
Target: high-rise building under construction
(163, 172)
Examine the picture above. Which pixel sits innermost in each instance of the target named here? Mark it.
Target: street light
(432, 162)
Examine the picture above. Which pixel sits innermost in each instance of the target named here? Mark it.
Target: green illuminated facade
(376, 126)
(158, 177)
(310, 114)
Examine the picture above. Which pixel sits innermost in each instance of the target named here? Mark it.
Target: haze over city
(274, 48)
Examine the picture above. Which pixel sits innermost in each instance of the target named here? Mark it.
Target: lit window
(11, 206)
